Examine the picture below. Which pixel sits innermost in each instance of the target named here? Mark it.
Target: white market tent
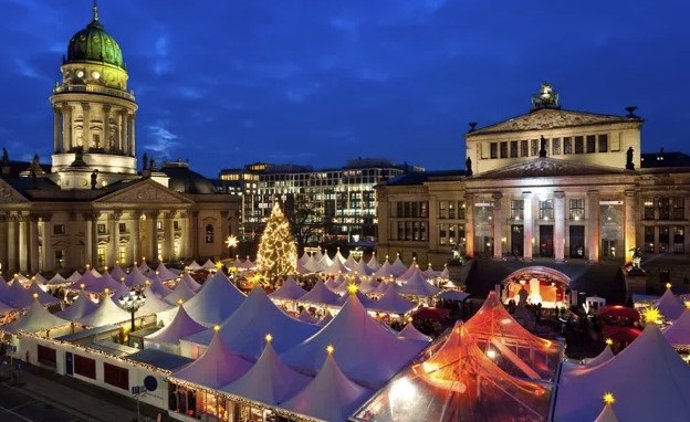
(320, 295)
(21, 278)
(95, 284)
(645, 374)
(144, 268)
(180, 292)
(169, 336)
(350, 262)
(269, 381)
(248, 264)
(194, 266)
(305, 316)
(83, 305)
(373, 263)
(669, 306)
(108, 312)
(39, 279)
(339, 257)
(678, 333)
(392, 303)
(311, 264)
(330, 396)
(324, 262)
(18, 297)
(164, 273)
(57, 280)
(135, 278)
(398, 268)
(365, 301)
(290, 290)
(245, 329)
(602, 357)
(334, 283)
(153, 304)
(190, 282)
(357, 336)
(217, 300)
(217, 367)
(417, 285)
(337, 267)
(209, 265)
(117, 272)
(304, 258)
(410, 270)
(429, 273)
(37, 318)
(43, 297)
(444, 274)
(157, 286)
(361, 268)
(607, 414)
(75, 276)
(384, 271)
(326, 319)
(411, 332)
(369, 285)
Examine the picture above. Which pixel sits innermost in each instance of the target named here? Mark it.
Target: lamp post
(132, 302)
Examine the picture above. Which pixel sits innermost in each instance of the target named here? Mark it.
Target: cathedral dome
(94, 44)
(183, 179)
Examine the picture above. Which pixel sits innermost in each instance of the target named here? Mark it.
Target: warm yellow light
(687, 304)
(231, 241)
(158, 273)
(330, 349)
(106, 291)
(352, 289)
(608, 342)
(82, 285)
(88, 266)
(33, 278)
(609, 398)
(668, 285)
(106, 268)
(122, 279)
(652, 315)
(35, 295)
(216, 328)
(269, 338)
(180, 302)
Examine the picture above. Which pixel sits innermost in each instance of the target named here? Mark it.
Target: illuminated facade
(91, 206)
(345, 197)
(550, 183)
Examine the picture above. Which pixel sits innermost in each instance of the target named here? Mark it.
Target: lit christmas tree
(277, 251)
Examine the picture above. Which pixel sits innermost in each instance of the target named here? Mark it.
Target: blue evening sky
(318, 82)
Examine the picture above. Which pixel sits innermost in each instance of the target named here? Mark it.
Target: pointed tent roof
(339, 256)
(18, 297)
(310, 264)
(289, 290)
(144, 268)
(397, 267)
(320, 294)
(410, 270)
(209, 265)
(457, 380)
(373, 263)
(318, 255)
(108, 312)
(269, 381)
(95, 272)
(194, 266)
(416, 285)
(164, 273)
(190, 282)
(37, 318)
(326, 319)
(411, 332)
(217, 367)
(135, 278)
(217, 300)
(181, 326)
(324, 261)
(361, 268)
(678, 334)
(83, 305)
(5, 308)
(337, 267)
(117, 272)
(305, 316)
(157, 286)
(359, 337)
(369, 285)
(430, 273)
(350, 262)
(95, 284)
(21, 278)
(365, 301)
(392, 303)
(245, 329)
(669, 306)
(153, 304)
(330, 396)
(74, 276)
(57, 280)
(648, 361)
(333, 283)
(607, 414)
(39, 279)
(602, 357)
(181, 291)
(304, 258)
(444, 274)
(43, 297)
(248, 264)
(384, 271)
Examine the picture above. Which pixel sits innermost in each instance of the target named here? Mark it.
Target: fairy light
(268, 338)
(330, 349)
(609, 342)
(277, 253)
(609, 398)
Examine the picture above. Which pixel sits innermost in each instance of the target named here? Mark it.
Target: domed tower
(94, 124)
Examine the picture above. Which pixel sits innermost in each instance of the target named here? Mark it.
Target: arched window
(209, 233)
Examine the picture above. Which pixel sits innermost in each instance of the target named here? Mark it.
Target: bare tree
(306, 218)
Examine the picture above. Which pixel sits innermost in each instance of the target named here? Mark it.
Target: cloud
(161, 64)
(298, 93)
(161, 140)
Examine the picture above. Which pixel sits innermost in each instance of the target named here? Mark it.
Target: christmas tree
(277, 250)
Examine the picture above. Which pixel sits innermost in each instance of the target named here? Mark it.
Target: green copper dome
(94, 44)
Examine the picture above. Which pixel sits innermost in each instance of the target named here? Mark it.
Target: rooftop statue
(547, 97)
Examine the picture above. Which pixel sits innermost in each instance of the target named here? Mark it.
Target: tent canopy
(181, 326)
(217, 300)
(37, 318)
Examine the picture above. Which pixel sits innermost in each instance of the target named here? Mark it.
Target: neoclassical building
(551, 183)
(91, 205)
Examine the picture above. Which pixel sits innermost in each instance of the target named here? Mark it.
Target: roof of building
(160, 359)
(94, 44)
(548, 167)
(185, 180)
(663, 159)
(420, 177)
(551, 118)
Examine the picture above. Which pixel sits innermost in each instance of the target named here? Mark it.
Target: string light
(609, 398)
(609, 342)
(277, 253)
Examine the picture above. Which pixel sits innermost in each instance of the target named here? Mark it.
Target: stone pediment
(548, 167)
(145, 192)
(8, 194)
(549, 118)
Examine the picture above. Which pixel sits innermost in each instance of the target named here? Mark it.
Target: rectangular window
(579, 145)
(648, 210)
(664, 209)
(451, 209)
(504, 149)
(567, 145)
(422, 230)
(401, 230)
(85, 367)
(176, 225)
(46, 356)
(524, 148)
(591, 144)
(123, 227)
(603, 143)
(116, 376)
(442, 234)
(451, 234)
(101, 256)
(577, 209)
(415, 231)
(159, 225)
(461, 210)
(60, 258)
(443, 209)
(122, 255)
(399, 209)
(678, 239)
(423, 209)
(546, 209)
(406, 209)
(517, 208)
(556, 146)
(101, 228)
(649, 239)
(408, 230)
(59, 229)
(664, 238)
(513, 149)
(678, 210)
(535, 147)
(494, 149)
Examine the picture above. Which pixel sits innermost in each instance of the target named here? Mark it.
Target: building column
(223, 253)
(106, 129)
(134, 238)
(23, 244)
(12, 244)
(153, 235)
(469, 225)
(33, 244)
(131, 142)
(91, 238)
(46, 228)
(169, 235)
(122, 130)
(528, 226)
(67, 127)
(3, 244)
(86, 127)
(630, 229)
(559, 226)
(57, 130)
(194, 234)
(498, 220)
(114, 237)
(593, 229)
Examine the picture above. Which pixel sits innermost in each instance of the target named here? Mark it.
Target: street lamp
(132, 302)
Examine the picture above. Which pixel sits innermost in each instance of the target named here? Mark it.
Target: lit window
(210, 236)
